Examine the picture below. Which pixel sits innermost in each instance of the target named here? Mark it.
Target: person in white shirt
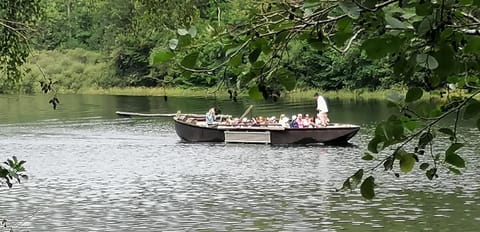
(322, 110)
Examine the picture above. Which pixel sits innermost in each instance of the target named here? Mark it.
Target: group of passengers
(296, 121)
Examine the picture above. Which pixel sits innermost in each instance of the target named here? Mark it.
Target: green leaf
(190, 60)
(245, 78)
(377, 48)
(453, 148)
(424, 139)
(310, 3)
(430, 173)
(253, 56)
(413, 94)
(472, 109)
(317, 43)
(394, 23)
(182, 31)
(341, 37)
(186, 74)
(367, 156)
(350, 8)
(258, 65)
(424, 166)
(345, 25)
(373, 145)
(473, 45)
(162, 56)
(427, 61)
(388, 164)
(447, 63)
(346, 184)
(255, 93)
(173, 43)
(446, 131)
(367, 188)
(286, 78)
(393, 130)
(356, 178)
(455, 171)
(455, 160)
(407, 162)
(466, 2)
(235, 61)
(280, 38)
(425, 26)
(263, 44)
(410, 125)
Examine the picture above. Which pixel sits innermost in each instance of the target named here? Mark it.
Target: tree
(16, 21)
(434, 44)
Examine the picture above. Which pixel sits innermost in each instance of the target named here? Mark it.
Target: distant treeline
(104, 44)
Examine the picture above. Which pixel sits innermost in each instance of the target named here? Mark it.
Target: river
(90, 170)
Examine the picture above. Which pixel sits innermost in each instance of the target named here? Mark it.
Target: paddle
(246, 112)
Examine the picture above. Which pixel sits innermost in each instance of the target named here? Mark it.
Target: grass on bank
(210, 92)
(84, 72)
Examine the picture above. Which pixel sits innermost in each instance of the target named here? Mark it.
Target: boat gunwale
(266, 128)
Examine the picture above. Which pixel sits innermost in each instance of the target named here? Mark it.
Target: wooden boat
(194, 129)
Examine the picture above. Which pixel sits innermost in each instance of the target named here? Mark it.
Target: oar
(246, 112)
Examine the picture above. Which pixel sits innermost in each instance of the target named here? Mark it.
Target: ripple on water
(122, 175)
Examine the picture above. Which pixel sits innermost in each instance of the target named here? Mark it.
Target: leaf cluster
(12, 171)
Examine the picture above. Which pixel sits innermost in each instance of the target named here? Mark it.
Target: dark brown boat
(191, 129)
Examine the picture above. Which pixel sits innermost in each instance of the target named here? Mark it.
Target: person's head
(211, 111)
(316, 95)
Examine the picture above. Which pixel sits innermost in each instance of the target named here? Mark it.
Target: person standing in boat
(210, 116)
(322, 110)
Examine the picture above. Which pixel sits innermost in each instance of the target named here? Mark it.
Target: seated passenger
(284, 121)
(299, 120)
(210, 116)
(294, 123)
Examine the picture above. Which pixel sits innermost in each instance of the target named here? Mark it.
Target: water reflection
(91, 171)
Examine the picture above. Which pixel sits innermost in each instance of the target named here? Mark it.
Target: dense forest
(103, 44)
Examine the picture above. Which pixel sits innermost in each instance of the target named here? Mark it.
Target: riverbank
(211, 92)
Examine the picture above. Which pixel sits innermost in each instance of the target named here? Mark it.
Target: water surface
(93, 171)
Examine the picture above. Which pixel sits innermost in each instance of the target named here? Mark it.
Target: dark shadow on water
(317, 145)
(347, 144)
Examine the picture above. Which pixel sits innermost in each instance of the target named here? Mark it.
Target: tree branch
(349, 44)
(429, 125)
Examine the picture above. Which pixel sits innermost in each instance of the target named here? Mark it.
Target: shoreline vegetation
(212, 92)
(79, 71)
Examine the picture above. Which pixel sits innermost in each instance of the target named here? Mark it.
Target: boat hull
(337, 134)
(192, 133)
